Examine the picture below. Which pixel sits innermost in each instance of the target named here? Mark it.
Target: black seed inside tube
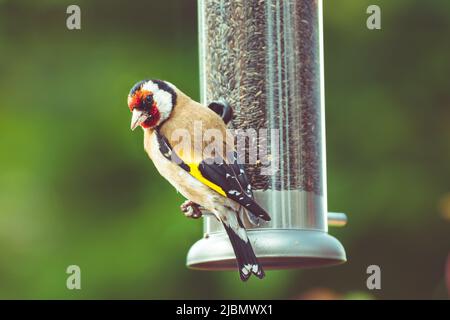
(263, 57)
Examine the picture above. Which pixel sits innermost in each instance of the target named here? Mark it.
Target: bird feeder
(265, 58)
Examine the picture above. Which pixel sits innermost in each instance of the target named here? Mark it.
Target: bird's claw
(191, 209)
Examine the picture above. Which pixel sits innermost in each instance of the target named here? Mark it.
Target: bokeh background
(77, 188)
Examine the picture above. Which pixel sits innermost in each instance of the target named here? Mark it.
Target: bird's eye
(149, 99)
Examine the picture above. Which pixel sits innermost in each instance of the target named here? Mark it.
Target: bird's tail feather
(246, 260)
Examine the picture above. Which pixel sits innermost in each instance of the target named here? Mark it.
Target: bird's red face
(144, 109)
(151, 102)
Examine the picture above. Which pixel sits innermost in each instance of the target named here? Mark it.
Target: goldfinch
(216, 183)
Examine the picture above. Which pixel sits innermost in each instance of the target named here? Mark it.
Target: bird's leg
(191, 209)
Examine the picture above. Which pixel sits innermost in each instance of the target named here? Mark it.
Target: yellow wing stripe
(195, 172)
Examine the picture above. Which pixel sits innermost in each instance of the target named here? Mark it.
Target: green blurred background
(77, 188)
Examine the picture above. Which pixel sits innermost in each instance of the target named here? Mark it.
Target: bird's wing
(222, 109)
(227, 178)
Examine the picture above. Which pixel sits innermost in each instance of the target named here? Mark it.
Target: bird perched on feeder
(216, 183)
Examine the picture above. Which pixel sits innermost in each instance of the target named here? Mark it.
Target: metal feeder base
(275, 249)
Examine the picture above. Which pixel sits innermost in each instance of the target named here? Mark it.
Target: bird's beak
(137, 118)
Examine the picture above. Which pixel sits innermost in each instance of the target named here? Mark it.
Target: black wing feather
(232, 179)
(223, 109)
(167, 152)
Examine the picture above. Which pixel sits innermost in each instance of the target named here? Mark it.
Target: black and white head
(151, 103)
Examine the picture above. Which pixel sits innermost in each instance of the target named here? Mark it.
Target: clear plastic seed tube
(265, 58)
